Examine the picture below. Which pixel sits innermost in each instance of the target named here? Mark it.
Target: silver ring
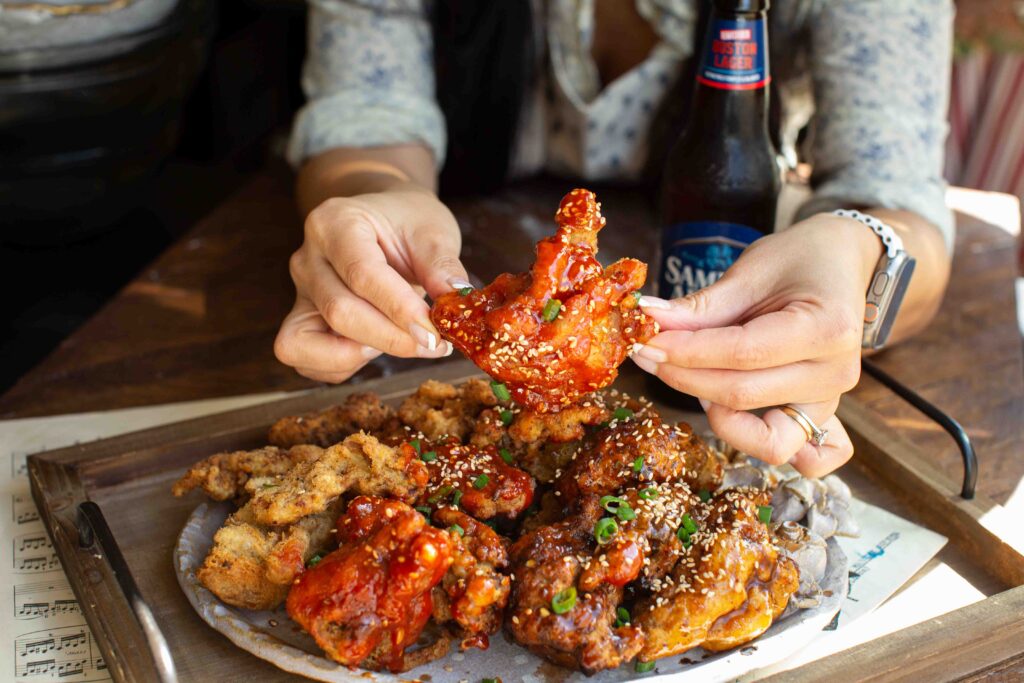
(815, 435)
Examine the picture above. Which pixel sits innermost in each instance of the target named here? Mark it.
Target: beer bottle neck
(733, 76)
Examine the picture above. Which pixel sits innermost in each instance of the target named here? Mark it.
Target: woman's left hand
(782, 325)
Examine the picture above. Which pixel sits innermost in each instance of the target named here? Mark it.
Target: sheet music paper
(43, 635)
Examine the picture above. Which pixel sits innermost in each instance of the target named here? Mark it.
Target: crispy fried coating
(369, 600)
(561, 330)
(437, 409)
(359, 413)
(727, 591)
(360, 464)
(474, 592)
(223, 476)
(252, 565)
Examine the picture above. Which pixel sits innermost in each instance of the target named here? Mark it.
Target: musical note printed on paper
(67, 653)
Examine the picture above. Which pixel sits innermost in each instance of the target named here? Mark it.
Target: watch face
(885, 295)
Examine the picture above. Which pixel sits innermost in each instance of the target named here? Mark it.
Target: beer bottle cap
(740, 6)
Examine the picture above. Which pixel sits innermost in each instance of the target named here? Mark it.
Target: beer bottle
(721, 179)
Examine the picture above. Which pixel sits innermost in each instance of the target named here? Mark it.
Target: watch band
(890, 239)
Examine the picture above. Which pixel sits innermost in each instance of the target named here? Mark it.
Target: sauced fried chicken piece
(561, 330)
(475, 479)
(360, 464)
(223, 476)
(729, 587)
(639, 448)
(359, 413)
(370, 599)
(474, 592)
(546, 562)
(437, 409)
(252, 565)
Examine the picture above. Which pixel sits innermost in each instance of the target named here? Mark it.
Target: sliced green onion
(625, 513)
(623, 414)
(456, 497)
(764, 513)
(683, 535)
(621, 617)
(429, 456)
(440, 494)
(636, 295)
(506, 456)
(456, 529)
(605, 529)
(465, 290)
(648, 493)
(481, 481)
(313, 561)
(564, 600)
(415, 443)
(644, 667)
(551, 309)
(638, 464)
(704, 495)
(612, 503)
(500, 391)
(424, 510)
(506, 417)
(689, 524)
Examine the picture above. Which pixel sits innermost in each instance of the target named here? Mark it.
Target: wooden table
(200, 321)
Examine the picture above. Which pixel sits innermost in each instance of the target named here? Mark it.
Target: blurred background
(122, 122)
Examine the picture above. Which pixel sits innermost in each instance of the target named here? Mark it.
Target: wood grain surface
(200, 321)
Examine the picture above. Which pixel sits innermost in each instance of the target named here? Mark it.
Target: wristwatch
(888, 284)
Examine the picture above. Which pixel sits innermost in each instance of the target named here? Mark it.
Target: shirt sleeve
(368, 79)
(881, 73)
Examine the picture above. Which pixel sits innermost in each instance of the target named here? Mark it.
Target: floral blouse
(871, 77)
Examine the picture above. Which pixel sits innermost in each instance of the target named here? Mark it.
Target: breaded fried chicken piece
(369, 600)
(561, 330)
(360, 464)
(474, 592)
(438, 409)
(223, 476)
(359, 413)
(252, 565)
(728, 589)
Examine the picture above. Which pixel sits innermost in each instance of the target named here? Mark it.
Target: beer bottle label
(695, 254)
(735, 57)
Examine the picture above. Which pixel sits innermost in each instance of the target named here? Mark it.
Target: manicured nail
(646, 364)
(654, 302)
(704, 403)
(459, 283)
(652, 353)
(450, 349)
(370, 352)
(424, 337)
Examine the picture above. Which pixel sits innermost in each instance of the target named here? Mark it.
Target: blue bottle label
(735, 55)
(695, 254)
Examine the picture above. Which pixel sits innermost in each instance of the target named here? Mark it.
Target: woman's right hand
(359, 278)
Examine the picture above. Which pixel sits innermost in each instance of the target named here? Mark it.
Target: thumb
(718, 305)
(436, 264)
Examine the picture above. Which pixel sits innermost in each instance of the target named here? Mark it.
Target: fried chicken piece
(437, 410)
(474, 592)
(561, 330)
(359, 413)
(360, 464)
(546, 562)
(478, 480)
(252, 565)
(224, 476)
(727, 591)
(369, 600)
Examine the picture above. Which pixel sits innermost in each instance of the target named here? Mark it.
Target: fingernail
(459, 283)
(654, 302)
(646, 364)
(704, 403)
(424, 337)
(370, 352)
(450, 349)
(652, 353)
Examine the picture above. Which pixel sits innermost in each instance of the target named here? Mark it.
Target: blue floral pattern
(871, 77)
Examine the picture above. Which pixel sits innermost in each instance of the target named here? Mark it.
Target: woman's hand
(359, 277)
(783, 325)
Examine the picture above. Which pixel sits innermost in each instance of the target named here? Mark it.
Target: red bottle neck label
(735, 55)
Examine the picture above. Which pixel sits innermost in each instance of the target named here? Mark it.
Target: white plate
(274, 637)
